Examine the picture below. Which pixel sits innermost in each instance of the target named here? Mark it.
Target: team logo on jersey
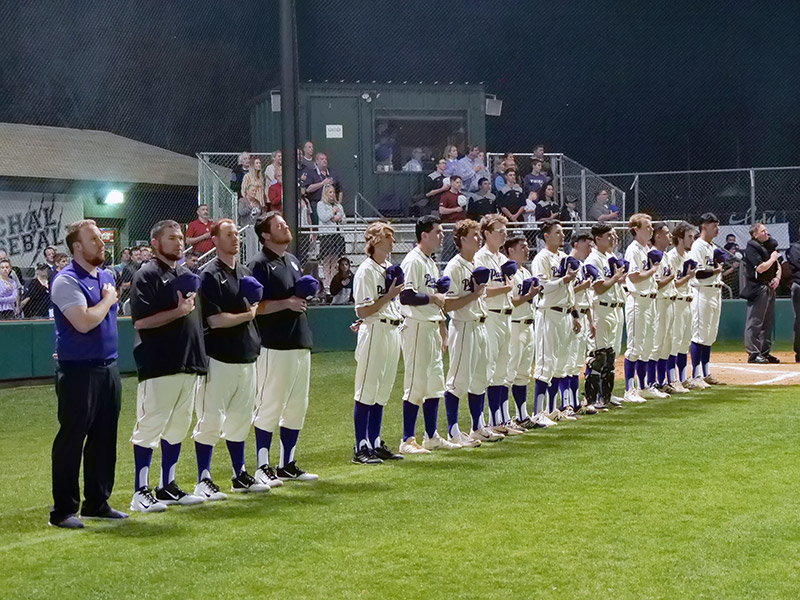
(554, 270)
(430, 282)
(466, 285)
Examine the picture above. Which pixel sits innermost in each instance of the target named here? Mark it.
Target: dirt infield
(733, 368)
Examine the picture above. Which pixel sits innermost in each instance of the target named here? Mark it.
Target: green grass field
(680, 498)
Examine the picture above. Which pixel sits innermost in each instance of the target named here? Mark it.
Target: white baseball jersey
(459, 270)
(553, 328)
(703, 253)
(420, 274)
(665, 269)
(639, 307)
(599, 261)
(636, 255)
(676, 260)
(607, 317)
(582, 298)
(493, 261)
(524, 310)
(682, 312)
(369, 284)
(555, 292)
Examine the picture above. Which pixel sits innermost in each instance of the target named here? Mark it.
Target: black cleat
(172, 494)
(244, 482)
(757, 359)
(365, 456)
(773, 360)
(68, 522)
(292, 472)
(384, 453)
(106, 513)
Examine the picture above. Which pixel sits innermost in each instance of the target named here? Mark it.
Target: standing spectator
(36, 299)
(482, 202)
(147, 254)
(450, 159)
(342, 283)
(415, 162)
(762, 276)
(484, 171)
(538, 154)
(435, 185)
(124, 276)
(9, 292)
(307, 238)
(190, 259)
(508, 162)
(198, 232)
(273, 170)
(384, 150)
(275, 194)
(732, 246)
(88, 384)
(61, 261)
(529, 214)
(238, 172)
(793, 260)
(510, 198)
(249, 212)
(468, 168)
(49, 254)
(306, 159)
(255, 179)
(534, 181)
(312, 181)
(136, 257)
(547, 208)
(125, 259)
(16, 273)
(452, 205)
(569, 217)
(331, 243)
(599, 210)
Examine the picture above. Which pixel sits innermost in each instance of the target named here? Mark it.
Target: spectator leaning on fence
(331, 243)
(36, 298)
(762, 276)
(793, 259)
(198, 232)
(600, 211)
(238, 172)
(482, 202)
(9, 292)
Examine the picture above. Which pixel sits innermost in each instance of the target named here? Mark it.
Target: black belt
(524, 321)
(501, 311)
(673, 297)
(685, 299)
(482, 320)
(583, 311)
(612, 304)
(715, 285)
(652, 296)
(93, 362)
(392, 322)
(560, 309)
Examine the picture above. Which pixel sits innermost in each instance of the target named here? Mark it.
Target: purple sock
(505, 415)
(374, 425)
(695, 351)
(651, 372)
(661, 371)
(574, 386)
(680, 363)
(430, 414)
(288, 439)
(563, 388)
(451, 411)
(360, 419)
(520, 394)
(539, 396)
(410, 412)
(203, 454)
(706, 358)
(475, 410)
(552, 390)
(169, 458)
(671, 368)
(236, 452)
(641, 373)
(493, 395)
(263, 442)
(141, 460)
(630, 373)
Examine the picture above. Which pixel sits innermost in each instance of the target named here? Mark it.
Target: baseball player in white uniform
(707, 303)
(378, 346)
(520, 365)
(421, 337)
(556, 319)
(608, 300)
(498, 322)
(681, 334)
(468, 374)
(664, 313)
(581, 247)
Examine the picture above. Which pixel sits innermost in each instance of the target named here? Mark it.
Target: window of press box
(414, 144)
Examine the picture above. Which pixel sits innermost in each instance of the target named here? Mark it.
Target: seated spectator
(599, 210)
(312, 268)
(435, 185)
(467, 168)
(306, 158)
(547, 208)
(275, 194)
(9, 292)
(482, 202)
(36, 297)
(198, 233)
(385, 150)
(534, 181)
(510, 198)
(238, 172)
(190, 259)
(415, 162)
(507, 162)
(255, 179)
(330, 213)
(451, 160)
(342, 283)
(273, 170)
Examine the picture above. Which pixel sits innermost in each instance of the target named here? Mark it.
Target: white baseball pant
(164, 409)
(578, 344)
(608, 325)
(682, 327)
(377, 355)
(552, 332)
(640, 326)
(664, 318)
(706, 308)
(224, 402)
(282, 378)
(422, 358)
(498, 332)
(468, 371)
(520, 364)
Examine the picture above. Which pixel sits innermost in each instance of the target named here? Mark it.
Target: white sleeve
(66, 293)
(364, 288)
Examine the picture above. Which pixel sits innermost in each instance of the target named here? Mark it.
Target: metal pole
(583, 194)
(289, 77)
(752, 196)
(636, 195)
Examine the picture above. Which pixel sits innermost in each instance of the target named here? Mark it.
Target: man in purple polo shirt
(87, 381)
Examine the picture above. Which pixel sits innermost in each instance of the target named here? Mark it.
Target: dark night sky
(618, 86)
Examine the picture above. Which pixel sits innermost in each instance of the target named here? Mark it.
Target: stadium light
(114, 197)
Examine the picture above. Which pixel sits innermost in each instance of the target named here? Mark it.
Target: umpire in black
(762, 276)
(87, 381)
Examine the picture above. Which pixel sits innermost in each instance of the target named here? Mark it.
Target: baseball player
(681, 335)
(170, 354)
(422, 337)
(607, 302)
(467, 374)
(378, 347)
(520, 365)
(498, 322)
(556, 318)
(283, 367)
(707, 302)
(581, 247)
(639, 309)
(226, 395)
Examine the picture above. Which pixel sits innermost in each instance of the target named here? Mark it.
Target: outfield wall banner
(29, 222)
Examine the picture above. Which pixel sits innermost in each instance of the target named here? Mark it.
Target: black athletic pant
(796, 309)
(88, 412)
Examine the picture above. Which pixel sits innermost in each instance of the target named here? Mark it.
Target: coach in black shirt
(762, 276)
(170, 354)
(510, 198)
(284, 365)
(793, 260)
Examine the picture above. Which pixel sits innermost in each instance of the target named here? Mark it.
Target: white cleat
(437, 442)
(464, 440)
(484, 434)
(209, 490)
(696, 383)
(513, 429)
(410, 446)
(143, 501)
(678, 388)
(633, 397)
(568, 414)
(652, 393)
(544, 420)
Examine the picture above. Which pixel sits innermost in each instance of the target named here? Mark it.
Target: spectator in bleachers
(569, 216)
(342, 283)
(484, 171)
(9, 292)
(531, 201)
(434, 187)
(510, 198)
(599, 210)
(306, 239)
(482, 202)
(468, 168)
(330, 213)
(275, 194)
(36, 297)
(452, 205)
(191, 260)
(312, 182)
(255, 179)
(198, 232)
(250, 210)
(732, 246)
(273, 170)
(306, 162)
(16, 272)
(136, 257)
(384, 150)
(61, 261)
(238, 172)
(414, 164)
(538, 153)
(547, 207)
(507, 162)
(451, 160)
(124, 276)
(312, 268)
(125, 259)
(49, 254)
(533, 181)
